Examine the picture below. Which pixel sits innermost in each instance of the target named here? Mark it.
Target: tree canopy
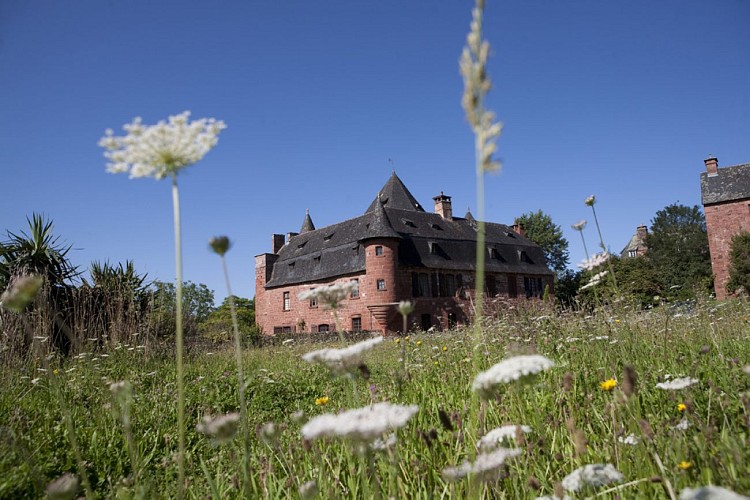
(678, 249)
(739, 263)
(541, 230)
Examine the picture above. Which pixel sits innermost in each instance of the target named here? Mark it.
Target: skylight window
(328, 237)
(409, 223)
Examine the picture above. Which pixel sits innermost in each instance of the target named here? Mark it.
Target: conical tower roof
(395, 195)
(379, 225)
(307, 225)
(469, 216)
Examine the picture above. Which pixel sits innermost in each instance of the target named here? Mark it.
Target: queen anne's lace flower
(595, 261)
(485, 467)
(510, 370)
(220, 429)
(591, 475)
(595, 280)
(630, 439)
(710, 493)
(160, 150)
(580, 225)
(361, 424)
(677, 384)
(493, 438)
(331, 295)
(345, 360)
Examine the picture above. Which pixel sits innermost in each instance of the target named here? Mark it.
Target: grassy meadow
(683, 438)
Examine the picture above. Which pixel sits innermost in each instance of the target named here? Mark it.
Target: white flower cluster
(677, 384)
(345, 360)
(493, 438)
(485, 467)
(331, 295)
(220, 429)
(591, 475)
(630, 439)
(595, 280)
(710, 493)
(510, 370)
(361, 424)
(160, 150)
(580, 225)
(595, 261)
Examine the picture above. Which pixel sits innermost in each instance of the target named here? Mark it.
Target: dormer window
(510, 235)
(302, 245)
(317, 259)
(408, 223)
(328, 237)
(434, 248)
(495, 254)
(436, 227)
(524, 257)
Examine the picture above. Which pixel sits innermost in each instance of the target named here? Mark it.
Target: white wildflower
(509, 370)
(630, 439)
(594, 261)
(590, 201)
(160, 150)
(486, 466)
(384, 444)
(746, 369)
(591, 475)
(495, 436)
(580, 225)
(220, 429)
(677, 384)
(308, 490)
(35, 380)
(595, 280)
(710, 493)
(331, 295)
(360, 424)
(345, 360)
(405, 307)
(682, 425)
(64, 487)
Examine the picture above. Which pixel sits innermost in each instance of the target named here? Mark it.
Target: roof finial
(390, 161)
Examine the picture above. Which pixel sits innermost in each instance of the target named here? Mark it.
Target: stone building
(637, 244)
(395, 251)
(725, 194)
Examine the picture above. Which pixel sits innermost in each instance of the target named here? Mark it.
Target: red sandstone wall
(724, 221)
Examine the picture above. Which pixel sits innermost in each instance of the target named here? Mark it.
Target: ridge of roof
(394, 194)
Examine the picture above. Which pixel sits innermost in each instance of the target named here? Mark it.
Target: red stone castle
(395, 251)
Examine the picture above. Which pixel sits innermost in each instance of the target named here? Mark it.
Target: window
(450, 285)
(317, 259)
(452, 321)
(435, 226)
(409, 223)
(356, 324)
(495, 254)
(328, 237)
(355, 292)
(533, 287)
(287, 302)
(313, 300)
(632, 253)
(512, 286)
(420, 285)
(491, 286)
(381, 284)
(378, 250)
(524, 257)
(282, 329)
(323, 328)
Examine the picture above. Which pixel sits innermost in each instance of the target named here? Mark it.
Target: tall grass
(573, 420)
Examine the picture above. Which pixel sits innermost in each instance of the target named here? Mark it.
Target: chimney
(641, 231)
(712, 166)
(289, 236)
(443, 206)
(518, 228)
(278, 242)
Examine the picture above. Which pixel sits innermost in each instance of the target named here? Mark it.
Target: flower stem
(240, 379)
(604, 249)
(178, 328)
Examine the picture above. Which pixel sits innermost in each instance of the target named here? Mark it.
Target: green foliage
(541, 230)
(566, 287)
(123, 279)
(197, 305)
(36, 252)
(678, 249)
(739, 263)
(218, 325)
(638, 279)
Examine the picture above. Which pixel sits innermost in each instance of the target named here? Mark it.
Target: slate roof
(426, 240)
(635, 243)
(307, 224)
(731, 184)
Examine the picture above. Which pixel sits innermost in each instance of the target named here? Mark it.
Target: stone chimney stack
(519, 229)
(641, 231)
(443, 206)
(290, 235)
(278, 242)
(712, 166)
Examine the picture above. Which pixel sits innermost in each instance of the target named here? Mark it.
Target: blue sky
(621, 99)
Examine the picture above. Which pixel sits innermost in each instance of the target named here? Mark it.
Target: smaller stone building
(637, 244)
(395, 251)
(725, 195)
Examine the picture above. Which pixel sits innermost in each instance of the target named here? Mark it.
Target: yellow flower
(681, 407)
(436, 363)
(445, 348)
(419, 343)
(608, 385)
(55, 371)
(406, 339)
(684, 465)
(398, 341)
(322, 401)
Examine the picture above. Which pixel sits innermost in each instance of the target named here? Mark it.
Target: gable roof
(730, 184)
(635, 243)
(426, 240)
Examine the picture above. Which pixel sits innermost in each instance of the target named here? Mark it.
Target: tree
(36, 252)
(123, 279)
(678, 248)
(218, 326)
(197, 304)
(739, 263)
(541, 230)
